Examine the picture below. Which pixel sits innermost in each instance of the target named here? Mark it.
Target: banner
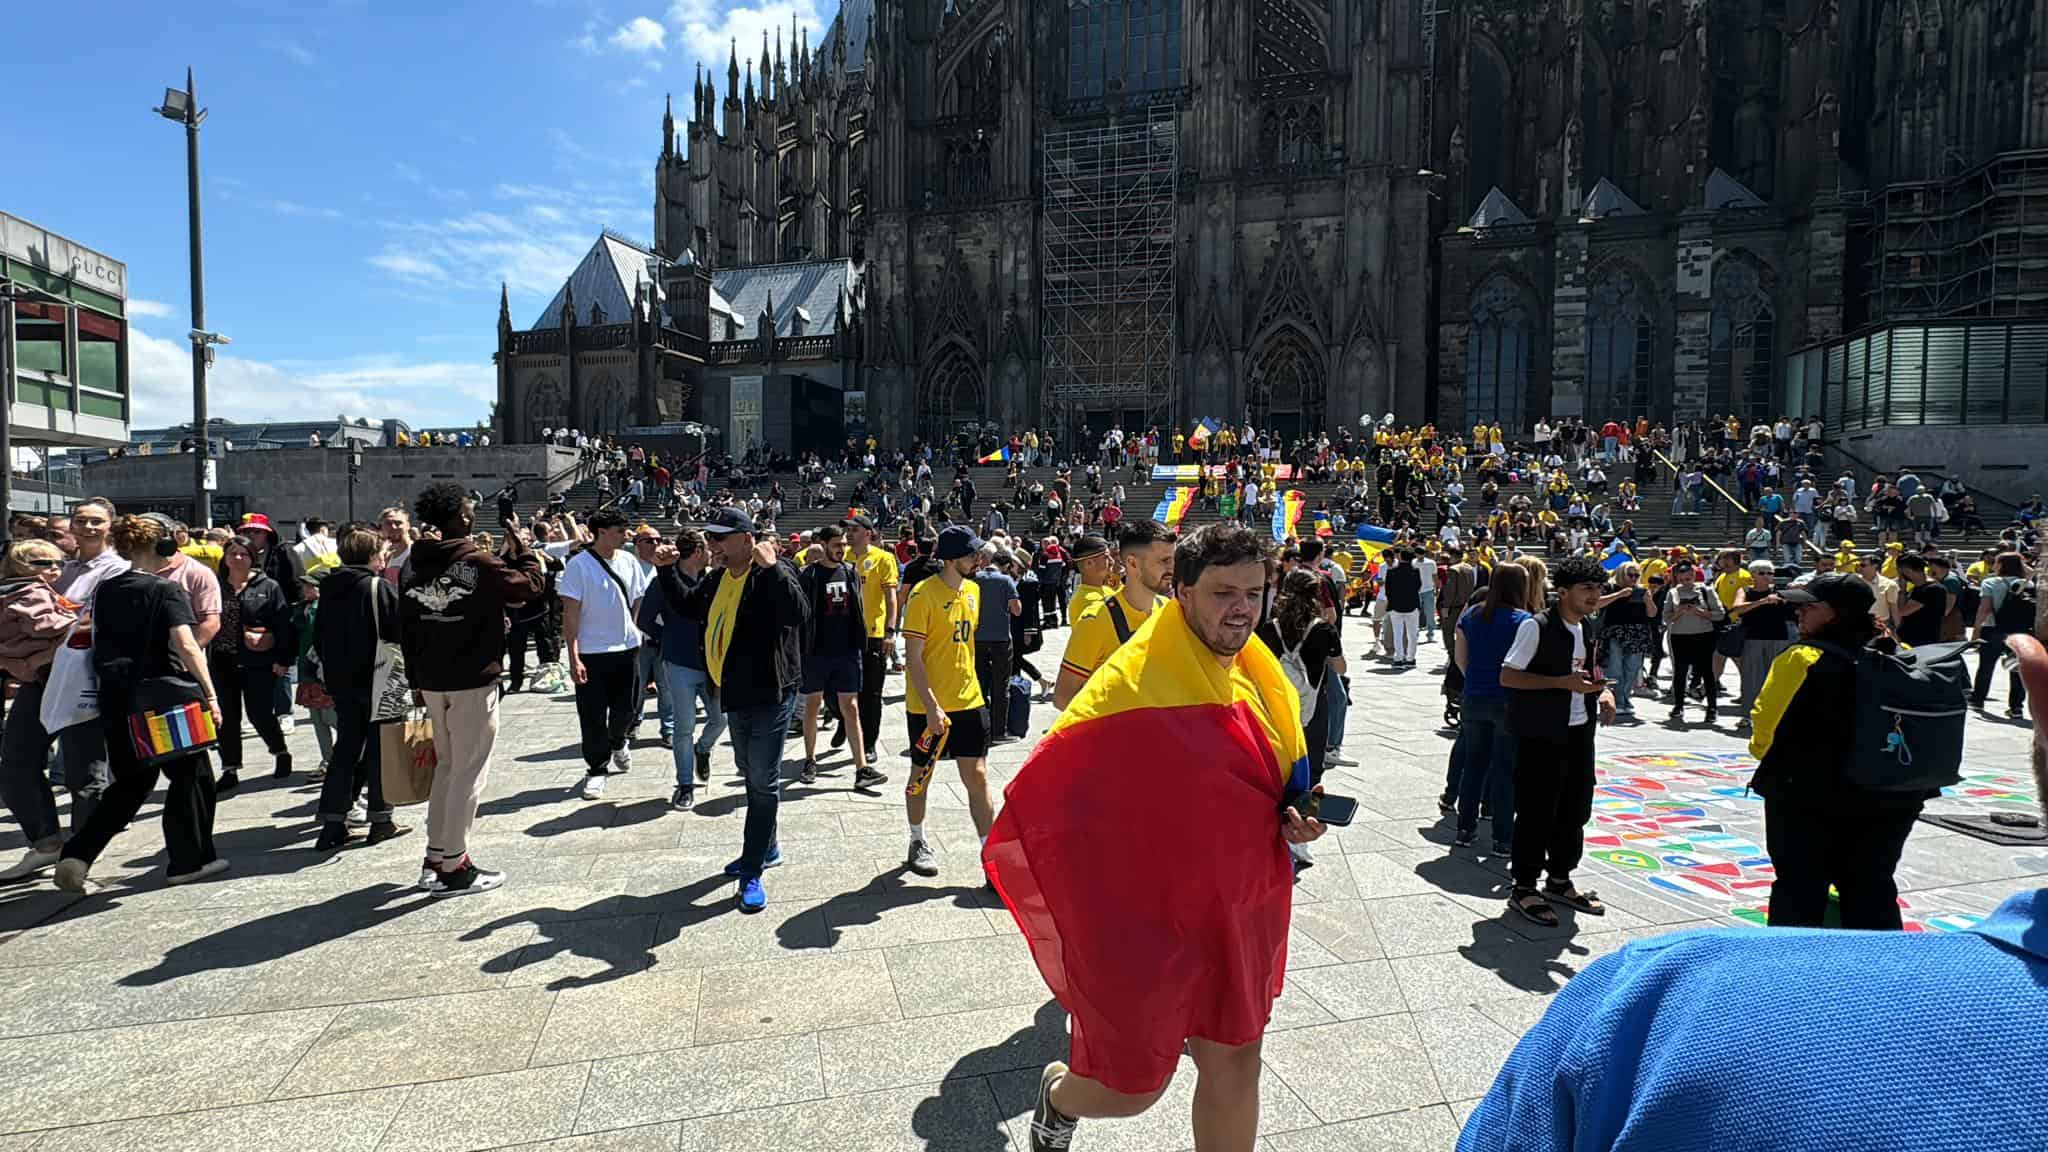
(999, 456)
(1287, 514)
(1189, 473)
(1174, 506)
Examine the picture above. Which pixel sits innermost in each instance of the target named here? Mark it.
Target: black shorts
(966, 739)
(840, 673)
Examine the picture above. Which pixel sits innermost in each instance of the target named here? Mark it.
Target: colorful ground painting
(1685, 826)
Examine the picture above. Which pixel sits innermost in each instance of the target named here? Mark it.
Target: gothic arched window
(1618, 346)
(1497, 354)
(1742, 343)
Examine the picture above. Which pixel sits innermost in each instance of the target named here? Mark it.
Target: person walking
(1485, 750)
(143, 646)
(1111, 618)
(948, 717)
(1767, 628)
(993, 651)
(880, 577)
(601, 588)
(1163, 930)
(832, 662)
(81, 747)
(645, 541)
(1690, 611)
(1310, 651)
(1403, 584)
(1627, 635)
(358, 610)
(34, 621)
(258, 634)
(755, 614)
(682, 656)
(453, 597)
(1821, 829)
(2005, 607)
(1553, 695)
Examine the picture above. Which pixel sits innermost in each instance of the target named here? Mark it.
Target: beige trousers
(465, 730)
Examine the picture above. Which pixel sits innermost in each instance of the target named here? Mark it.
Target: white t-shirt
(1523, 650)
(1427, 567)
(606, 624)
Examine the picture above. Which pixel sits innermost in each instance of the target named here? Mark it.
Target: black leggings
(1693, 654)
(244, 691)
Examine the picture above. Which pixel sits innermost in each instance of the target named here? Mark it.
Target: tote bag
(72, 695)
(390, 690)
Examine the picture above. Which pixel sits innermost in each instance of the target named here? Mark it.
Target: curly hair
(137, 535)
(1577, 570)
(441, 505)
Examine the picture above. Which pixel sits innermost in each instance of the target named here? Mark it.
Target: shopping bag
(406, 750)
(72, 695)
(390, 689)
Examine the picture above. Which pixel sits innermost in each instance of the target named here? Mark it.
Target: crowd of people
(111, 622)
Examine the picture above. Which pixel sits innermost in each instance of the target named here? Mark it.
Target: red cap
(258, 520)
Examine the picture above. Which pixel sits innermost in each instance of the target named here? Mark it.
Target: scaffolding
(1971, 245)
(1108, 309)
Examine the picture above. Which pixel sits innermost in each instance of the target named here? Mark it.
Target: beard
(1221, 637)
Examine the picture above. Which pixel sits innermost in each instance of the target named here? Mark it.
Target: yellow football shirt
(944, 618)
(879, 572)
(1085, 596)
(1094, 639)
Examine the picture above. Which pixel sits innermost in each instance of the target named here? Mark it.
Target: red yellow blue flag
(1174, 505)
(1151, 931)
(999, 456)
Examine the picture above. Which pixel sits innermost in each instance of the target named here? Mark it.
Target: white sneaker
(593, 787)
(622, 760)
(213, 867)
(286, 723)
(358, 816)
(28, 866)
(1339, 759)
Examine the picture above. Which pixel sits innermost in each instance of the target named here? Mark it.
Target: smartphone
(1329, 808)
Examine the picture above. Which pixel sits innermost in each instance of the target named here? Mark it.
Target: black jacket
(342, 636)
(764, 660)
(263, 605)
(453, 598)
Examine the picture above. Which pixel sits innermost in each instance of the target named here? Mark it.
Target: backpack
(1296, 670)
(1907, 734)
(2016, 613)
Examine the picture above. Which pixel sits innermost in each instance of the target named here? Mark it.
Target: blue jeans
(686, 686)
(1429, 611)
(1624, 668)
(650, 668)
(757, 738)
(1489, 752)
(1339, 696)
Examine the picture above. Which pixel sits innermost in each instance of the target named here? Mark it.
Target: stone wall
(2005, 461)
(294, 484)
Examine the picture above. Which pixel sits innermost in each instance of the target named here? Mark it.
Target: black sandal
(1533, 907)
(1571, 897)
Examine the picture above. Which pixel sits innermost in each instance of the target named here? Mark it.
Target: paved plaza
(612, 997)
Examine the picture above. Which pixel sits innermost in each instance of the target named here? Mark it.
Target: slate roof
(1607, 200)
(1496, 211)
(1725, 191)
(854, 15)
(605, 276)
(811, 285)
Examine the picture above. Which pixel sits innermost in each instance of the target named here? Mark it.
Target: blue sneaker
(774, 860)
(753, 897)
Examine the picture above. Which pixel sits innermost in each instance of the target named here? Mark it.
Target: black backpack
(1907, 734)
(2017, 613)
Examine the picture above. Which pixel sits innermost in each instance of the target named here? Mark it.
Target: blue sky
(372, 170)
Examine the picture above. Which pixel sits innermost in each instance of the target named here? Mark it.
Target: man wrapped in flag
(1158, 926)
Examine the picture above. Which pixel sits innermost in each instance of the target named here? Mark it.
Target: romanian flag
(1204, 429)
(1153, 924)
(1174, 505)
(1323, 526)
(1371, 549)
(1287, 514)
(999, 456)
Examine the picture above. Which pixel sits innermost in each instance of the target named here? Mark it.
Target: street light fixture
(183, 108)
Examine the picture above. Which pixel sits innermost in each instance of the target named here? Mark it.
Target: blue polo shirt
(1789, 1040)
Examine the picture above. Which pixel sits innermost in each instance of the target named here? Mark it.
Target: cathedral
(950, 214)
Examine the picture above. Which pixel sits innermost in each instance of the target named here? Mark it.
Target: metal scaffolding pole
(1109, 304)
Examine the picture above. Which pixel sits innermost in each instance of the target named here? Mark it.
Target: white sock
(917, 833)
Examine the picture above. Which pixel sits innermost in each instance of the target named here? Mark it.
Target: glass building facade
(1988, 373)
(69, 338)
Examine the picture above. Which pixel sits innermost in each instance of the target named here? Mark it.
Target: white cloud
(294, 208)
(475, 251)
(407, 172)
(406, 266)
(706, 29)
(425, 392)
(640, 34)
(154, 309)
(298, 53)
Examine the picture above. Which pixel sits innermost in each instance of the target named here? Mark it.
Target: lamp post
(355, 465)
(183, 107)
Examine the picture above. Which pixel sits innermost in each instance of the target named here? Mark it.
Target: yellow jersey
(945, 618)
(1094, 638)
(879, 573)
(1085, 596)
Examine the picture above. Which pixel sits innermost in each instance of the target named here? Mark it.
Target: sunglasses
(46, 563)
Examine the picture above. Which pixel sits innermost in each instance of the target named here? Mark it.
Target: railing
(607, 336)
(686, 343)
(824, 347)
(539, 341)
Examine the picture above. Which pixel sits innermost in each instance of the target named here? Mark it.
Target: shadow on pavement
(866, 905)
(936, 1120)
(280, 934)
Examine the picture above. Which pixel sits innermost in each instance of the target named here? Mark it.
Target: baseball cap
(859, 520)
(1847, 594)
(1088, 546)
(956, 542)
(728, 520)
